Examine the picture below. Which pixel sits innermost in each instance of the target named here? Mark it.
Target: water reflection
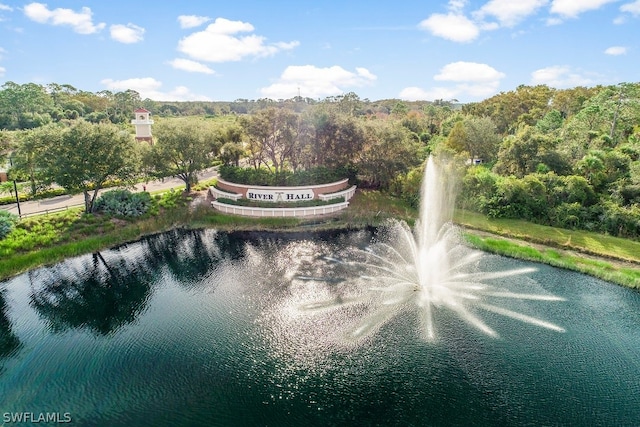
(96, 294)
(107, 290)
(189, 255)
(9, 342)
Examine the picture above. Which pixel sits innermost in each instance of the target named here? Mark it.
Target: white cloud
(452, 26)
(148, 87)
(616, 50)
(633, 8)
(2, 71)
(219, 43)
(553, 21)
(559, 76)
(191, 66)
(457, 27)
(509, 12)
(191, 21)
(469, 80)
(315, 82)
(81, 22)
(129, 33)
(573, 8)
(468, 72)
(6, 8)
(418, 94)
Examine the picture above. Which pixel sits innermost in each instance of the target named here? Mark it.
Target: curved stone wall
(316, 190)
(323, 192)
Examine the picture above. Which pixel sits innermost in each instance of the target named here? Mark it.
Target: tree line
(567, 157)
(31, 105)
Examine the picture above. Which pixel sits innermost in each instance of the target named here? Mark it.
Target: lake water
(193, 328)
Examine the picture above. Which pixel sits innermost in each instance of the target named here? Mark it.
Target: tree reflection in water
(9, 342)
(91, 293)
(107, 290)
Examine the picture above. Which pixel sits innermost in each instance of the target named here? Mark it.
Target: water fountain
(427, 269)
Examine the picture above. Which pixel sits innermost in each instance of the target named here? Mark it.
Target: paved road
(62, 202)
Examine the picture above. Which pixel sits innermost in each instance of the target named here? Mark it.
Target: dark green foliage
(568, 215)
(7, 222)
(263, 176)
(172, 199)
(550, 199)
(630, 194)
(479, 186)
(123, 203)
(622, 221)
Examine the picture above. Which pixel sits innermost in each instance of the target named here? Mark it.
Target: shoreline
(597, 266)
(617, 270)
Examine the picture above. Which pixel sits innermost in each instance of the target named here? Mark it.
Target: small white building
(143, 123)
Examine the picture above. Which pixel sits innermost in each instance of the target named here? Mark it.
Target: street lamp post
(15, 189)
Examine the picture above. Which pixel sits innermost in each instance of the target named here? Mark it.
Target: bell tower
(143, 123)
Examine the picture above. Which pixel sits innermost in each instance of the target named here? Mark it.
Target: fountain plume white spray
(426, 267)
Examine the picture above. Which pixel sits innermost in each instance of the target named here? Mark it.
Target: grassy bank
(49, 239)
(601, 268)
(583, 241)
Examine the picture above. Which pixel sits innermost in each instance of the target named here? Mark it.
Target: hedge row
(263, 176)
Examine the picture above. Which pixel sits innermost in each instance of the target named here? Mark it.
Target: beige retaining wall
(279, 212)
(317, 189)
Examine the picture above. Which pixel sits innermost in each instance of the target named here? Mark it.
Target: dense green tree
(528, 152)
(272, 134)
(24, 106)
(348, 103)
(88, 155)
(31, 155)
(183, 147)
(230, 137)
(389, 151)
(334, 138)
(7, 144)
(606, 120)
(570, 101)
(510, 110)
(552, 121)
(476, 137)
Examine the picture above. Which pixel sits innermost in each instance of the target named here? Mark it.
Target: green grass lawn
(583, 241)
(607, 248)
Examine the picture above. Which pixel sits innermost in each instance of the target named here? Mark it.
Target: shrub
(123, 203)
(171, 199)
(568, 215)
(7, 221)
(621, 221)
(479, 186)
(263, 176)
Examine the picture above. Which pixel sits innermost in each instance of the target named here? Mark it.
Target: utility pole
(15, 188)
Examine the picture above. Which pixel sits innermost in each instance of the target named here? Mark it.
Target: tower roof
(141, 110)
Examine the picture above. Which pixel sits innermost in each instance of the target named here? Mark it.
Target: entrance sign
(280, 195)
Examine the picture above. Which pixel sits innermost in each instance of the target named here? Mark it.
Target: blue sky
(225, 50)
